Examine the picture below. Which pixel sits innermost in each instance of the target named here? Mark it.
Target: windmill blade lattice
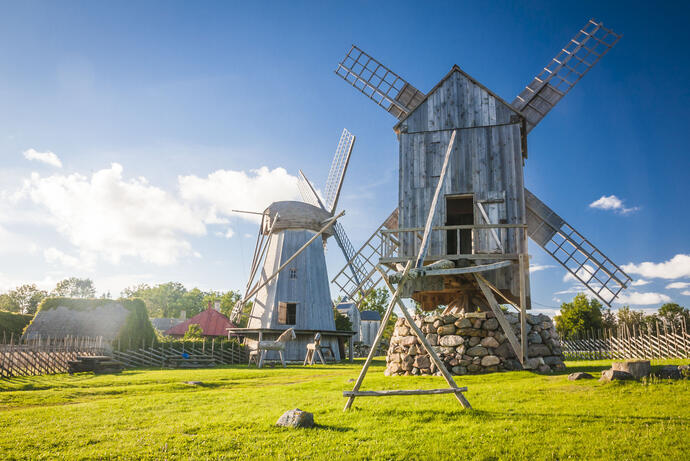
(365, 276)
(308, 192)
(334, 183)
(580, 258)
(379, 83)
(580, 54)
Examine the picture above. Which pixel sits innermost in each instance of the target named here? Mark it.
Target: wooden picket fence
(630, 343)
(45, 355)
(183, 355)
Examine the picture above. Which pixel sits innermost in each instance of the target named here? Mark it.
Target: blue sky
(161, 113)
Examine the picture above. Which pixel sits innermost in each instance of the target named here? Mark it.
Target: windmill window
(287, 313)
(293, 273)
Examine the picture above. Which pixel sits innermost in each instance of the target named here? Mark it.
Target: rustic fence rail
(181, 355)
(662, 342)
(45, 355)
(52, 355)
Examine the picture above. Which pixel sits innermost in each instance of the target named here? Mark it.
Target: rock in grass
(296, 418)
(579, 375)
(637, 368)
(194, 383)
(669, 372)
(615, 375)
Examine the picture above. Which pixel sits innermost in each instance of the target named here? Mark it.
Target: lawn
(153, 414)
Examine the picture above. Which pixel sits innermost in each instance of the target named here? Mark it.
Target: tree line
(583, 315)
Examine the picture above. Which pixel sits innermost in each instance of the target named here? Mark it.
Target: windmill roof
(457, 68)
(370, 315)
(295, 215)
(212, 323)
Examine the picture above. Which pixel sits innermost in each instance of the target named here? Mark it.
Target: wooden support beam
(432, 353)
(379, 335)
(432, 209)
(403, 392)
(498, 312)
(524, 266)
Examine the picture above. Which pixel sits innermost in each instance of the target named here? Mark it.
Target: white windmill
(292, 290)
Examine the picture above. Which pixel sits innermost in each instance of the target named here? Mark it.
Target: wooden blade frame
(379, 83)
(571, 64)
(336, 175)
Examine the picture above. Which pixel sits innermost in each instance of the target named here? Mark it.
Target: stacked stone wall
(472, 343)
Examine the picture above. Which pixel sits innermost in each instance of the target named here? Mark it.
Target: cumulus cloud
(539, 267)
(585, 273)
(640, 282)
(642, 299)
(675, 268)
(677, 285)
(225, 190)
(49, 158)
(53, 255)
(685, 293)
(227, 234)
(114, 217)
(611, 203)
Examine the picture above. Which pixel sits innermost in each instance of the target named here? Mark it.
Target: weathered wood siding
(309, 289)
(486, 162)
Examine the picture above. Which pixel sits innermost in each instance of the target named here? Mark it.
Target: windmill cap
(295, 215)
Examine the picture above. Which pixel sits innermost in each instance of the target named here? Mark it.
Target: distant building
(164, 324)
(349, 309)
(211, 321)
(365, 324)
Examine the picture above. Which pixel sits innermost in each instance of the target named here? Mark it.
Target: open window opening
(287, 313)
(459, 211)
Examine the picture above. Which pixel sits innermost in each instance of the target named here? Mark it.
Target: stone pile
(471, 343)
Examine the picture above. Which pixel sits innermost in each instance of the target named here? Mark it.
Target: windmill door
(459, 211)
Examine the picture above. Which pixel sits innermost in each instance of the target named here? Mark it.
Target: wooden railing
(487, 241)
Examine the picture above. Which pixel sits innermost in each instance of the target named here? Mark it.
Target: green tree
(376, 300)
(74, 287)
(608, 319)
(194, 331)
(629, 318)
(9, 304)
(342, 322)
(674, 314)
(579, 317)
(27, 297)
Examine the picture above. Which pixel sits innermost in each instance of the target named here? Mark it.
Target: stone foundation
(472, 343)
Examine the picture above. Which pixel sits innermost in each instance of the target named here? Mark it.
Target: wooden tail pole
(422, 338)
(432, 209)
(379, 335)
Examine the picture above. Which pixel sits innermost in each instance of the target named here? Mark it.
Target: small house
(370, 321)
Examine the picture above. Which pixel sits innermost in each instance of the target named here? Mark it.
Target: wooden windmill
(292, 290)
(463, 213)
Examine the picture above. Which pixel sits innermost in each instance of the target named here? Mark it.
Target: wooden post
(379, 335)
(523, 261)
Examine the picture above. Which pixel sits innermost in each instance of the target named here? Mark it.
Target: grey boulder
(296, 418)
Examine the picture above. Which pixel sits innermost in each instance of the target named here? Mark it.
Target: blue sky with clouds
(164, 116)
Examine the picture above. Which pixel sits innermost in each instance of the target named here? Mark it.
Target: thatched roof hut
(124, 320)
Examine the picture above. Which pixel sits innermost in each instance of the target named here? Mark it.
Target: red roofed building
(211, 321)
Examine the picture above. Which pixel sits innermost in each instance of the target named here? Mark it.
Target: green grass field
(520, 415)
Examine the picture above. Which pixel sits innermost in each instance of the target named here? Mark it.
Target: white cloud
(112, 217)
(48, 158)
(676, 267)
(677, 285)
(539, 267)
(640, 282)
(53, 255)
(585, 273)
(227, 234)
(225, 190)
(685, 293)
(642, 299)
(612, 203)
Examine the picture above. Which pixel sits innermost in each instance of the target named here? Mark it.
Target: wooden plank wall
(486, 162)
(310, 289)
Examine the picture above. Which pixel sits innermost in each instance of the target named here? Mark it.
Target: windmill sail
(379, 83)
(338, 167)
(574, 252)
(365, 277)
(580, 54)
